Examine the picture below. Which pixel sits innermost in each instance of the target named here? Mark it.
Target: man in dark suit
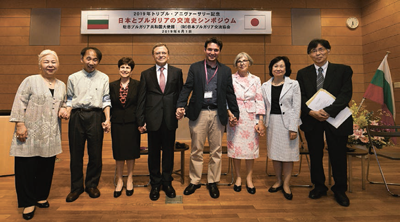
(336, 79)
(158, 93)
(210, 83)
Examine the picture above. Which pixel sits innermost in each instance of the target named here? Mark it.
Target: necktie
(320, 79)
(162, 79)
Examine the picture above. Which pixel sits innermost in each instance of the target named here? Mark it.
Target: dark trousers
(162, 139)
(85, 126)
(33, 176)
(337, 156)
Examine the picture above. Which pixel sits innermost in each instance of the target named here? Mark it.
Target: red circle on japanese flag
(254, 22)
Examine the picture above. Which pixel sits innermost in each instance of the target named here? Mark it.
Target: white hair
(45, 53)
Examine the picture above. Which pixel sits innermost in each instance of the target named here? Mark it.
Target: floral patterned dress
(243, 138)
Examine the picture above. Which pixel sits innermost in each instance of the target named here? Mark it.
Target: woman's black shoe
(118, 193)
(286, 195)
(275, 189)
(129, 192)
(43, 205)
(28, 216)
(251, 190)
(237, 188)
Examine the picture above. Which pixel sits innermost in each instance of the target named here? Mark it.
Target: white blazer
(289, 100)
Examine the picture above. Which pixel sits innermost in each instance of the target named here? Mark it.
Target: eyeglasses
(320, 50)
(241, 61)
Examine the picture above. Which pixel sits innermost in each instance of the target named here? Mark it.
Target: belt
(88, 109)
(209, 107)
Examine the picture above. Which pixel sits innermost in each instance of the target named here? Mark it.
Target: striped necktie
(320, 79)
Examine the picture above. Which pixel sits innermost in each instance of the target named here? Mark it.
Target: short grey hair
(240, 55)
(45, 53)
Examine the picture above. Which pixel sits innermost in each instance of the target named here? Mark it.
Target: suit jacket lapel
(130, 91)
(286, 86)
(329, 75)
(153, 77)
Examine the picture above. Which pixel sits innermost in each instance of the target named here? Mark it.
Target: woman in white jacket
(282, 117)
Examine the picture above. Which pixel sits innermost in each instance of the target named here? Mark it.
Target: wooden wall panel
(348, 46)
(381, 31)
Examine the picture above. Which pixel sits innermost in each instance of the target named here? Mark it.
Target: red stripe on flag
(374, 93)
(97, 26)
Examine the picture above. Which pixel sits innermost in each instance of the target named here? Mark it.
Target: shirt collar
(165, 67)
(89, 74)
(324, 67)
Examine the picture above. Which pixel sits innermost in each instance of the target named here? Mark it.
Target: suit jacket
(195, 83)
(127, 114)
(290, 101)
(338, 82)
(154, 106)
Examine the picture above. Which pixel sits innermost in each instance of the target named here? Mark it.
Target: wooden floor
(372, 204)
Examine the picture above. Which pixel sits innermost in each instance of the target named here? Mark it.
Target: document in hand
(322, 99)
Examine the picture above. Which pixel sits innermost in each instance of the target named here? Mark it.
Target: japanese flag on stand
(255, 22)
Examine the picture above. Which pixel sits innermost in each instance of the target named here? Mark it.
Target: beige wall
(362, 48)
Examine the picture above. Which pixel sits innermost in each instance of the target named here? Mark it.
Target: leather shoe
(251, 190)
(213, 189)
(275, 189)
(73, 196)
(287, 195)
(30, 215)
(129, 192)
(342, 199)
(155, 193)
(237, 188)
(169, 191)
(317, 193)
(191, 188)
(43, 205)
(93, 192)
(118, 193)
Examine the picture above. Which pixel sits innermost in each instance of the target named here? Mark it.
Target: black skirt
(125, 141)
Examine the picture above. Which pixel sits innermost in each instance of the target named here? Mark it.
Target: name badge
(208, 95)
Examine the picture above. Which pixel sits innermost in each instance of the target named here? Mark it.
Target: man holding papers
(335, 79)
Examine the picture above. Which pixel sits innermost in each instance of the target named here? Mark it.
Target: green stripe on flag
(378, 78)
(387, 96)
(97, 22)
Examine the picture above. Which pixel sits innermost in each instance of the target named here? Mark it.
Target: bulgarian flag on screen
(380, 90)
(97, 22)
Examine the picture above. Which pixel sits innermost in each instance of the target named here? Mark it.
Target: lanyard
(205, 68)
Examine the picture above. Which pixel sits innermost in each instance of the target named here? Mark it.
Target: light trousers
(208, 126)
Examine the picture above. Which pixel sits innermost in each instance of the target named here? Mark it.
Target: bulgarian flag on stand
(380, 90)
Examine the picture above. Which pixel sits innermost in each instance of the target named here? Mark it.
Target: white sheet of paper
(322, 99)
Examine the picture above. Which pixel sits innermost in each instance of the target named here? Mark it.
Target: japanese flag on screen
(254, 22)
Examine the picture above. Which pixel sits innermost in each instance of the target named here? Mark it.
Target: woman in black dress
(124, 129)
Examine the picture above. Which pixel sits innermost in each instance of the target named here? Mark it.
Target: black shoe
(275, 189)
(155, 193)
(118, 193)
(317, 193)
(93, 192)
(73, 196)
(30, 215)
(287, 195)
(237, 188)
(169, 191)
(342, 199)
(43, 205)
(251, 190)
(213, 189)
(129, 192)
(191, 188)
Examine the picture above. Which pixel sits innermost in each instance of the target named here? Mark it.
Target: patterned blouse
(123, 92)
(38, 109)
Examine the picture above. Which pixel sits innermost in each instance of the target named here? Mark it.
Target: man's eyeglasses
(320, 50)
